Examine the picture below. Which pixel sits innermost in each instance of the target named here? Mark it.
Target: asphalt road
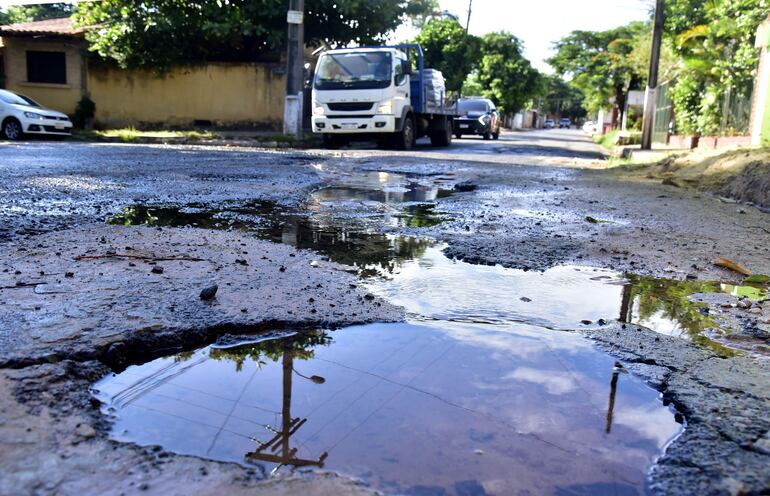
(530, 200)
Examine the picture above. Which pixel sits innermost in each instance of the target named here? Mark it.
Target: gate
(664, 108)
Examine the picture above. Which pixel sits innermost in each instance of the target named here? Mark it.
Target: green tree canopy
(562, 99)
(599, 63)
(449, 49)
(715, 43)
(27, 13)
(503, 72)
(160, 33)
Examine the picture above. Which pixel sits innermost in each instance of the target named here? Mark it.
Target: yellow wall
(62, 97)
(221, 93)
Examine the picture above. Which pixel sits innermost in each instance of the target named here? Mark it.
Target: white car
(590, 127)
(20, 115)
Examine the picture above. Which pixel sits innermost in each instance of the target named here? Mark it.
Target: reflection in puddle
(666, 306)
(430, 408)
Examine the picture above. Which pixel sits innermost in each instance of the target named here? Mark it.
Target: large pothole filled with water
(482, 391)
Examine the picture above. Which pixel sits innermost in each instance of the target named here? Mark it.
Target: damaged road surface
(495, 318)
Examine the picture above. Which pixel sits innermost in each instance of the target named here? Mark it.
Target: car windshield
(14, 99)
(464, 106)
(367, 70)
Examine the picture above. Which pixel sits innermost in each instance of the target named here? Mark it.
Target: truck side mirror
(407, 67)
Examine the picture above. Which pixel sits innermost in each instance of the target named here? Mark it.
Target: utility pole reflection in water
(611, 405)
(267, 452)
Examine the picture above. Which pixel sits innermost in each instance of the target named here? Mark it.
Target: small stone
(241, 261)
(744, 304)
(314, 263)
(525, 299)
(157, 270)
(69, 274)
(586, 322)
(209, 293)
(282, 268)
(478, 452)
(369, 296)
(85, 431)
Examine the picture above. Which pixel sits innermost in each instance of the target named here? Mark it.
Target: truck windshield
(366, 70)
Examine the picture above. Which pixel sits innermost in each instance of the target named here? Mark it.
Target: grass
(130, 134)
(607, 140)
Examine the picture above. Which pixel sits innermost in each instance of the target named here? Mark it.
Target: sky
(541, 22)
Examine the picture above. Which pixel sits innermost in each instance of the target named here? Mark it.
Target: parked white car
(20, 115)
(590, 127)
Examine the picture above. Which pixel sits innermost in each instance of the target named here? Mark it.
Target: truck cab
(372, 93)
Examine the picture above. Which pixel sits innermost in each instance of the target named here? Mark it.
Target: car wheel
(405, 139)
(487, 136)
(12, 129)
(496, 136)
(458, 135)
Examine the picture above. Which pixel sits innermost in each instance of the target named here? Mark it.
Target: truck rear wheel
(442, 137)
(405, 138)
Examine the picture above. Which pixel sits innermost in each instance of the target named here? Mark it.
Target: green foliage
(449, 49)
(505, 75)
(28, 13)
(300, 347)
(562, 99)
(84, 112)
(600, 63)
(158, 34)
(715, 42)
(472, 86)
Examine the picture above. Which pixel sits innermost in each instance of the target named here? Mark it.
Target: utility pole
(295, 69)
(652, 81)
(468, 21)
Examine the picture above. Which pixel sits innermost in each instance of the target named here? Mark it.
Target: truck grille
(350, 106)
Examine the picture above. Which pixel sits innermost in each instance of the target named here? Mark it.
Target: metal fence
(736, 112)
(664, 110)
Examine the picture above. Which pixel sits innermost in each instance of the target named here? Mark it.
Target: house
(49, 62)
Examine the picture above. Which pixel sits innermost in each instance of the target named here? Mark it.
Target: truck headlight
(318, 109)
(385, 107)
(32, 115)
(484, 119)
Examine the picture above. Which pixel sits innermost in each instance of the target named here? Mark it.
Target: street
(492, 317)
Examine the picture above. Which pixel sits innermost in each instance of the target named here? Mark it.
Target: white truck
(372, 93)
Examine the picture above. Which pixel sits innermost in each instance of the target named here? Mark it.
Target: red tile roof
(51, 27)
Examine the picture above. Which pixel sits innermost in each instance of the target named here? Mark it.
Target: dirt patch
(743, 175)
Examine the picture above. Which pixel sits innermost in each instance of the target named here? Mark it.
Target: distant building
(49, 62)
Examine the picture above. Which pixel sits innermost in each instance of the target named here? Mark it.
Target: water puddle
(481, 392)
(416, 408)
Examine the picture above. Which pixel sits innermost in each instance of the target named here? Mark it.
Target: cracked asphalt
(80, 297)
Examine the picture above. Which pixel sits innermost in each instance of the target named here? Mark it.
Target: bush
(84, 113)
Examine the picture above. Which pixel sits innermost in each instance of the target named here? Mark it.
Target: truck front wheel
(405, 138)
(331, 142)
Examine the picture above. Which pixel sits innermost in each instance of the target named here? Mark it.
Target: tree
(599, 64)
(27, 13)
(449, 49)
(506, 75)
(715, 42)
(160, 33)
(562, 99)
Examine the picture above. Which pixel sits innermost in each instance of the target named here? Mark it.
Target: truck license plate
(349, 125)
(463, 126)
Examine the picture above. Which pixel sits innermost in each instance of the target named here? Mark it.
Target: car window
(14, 99)
(472, 106)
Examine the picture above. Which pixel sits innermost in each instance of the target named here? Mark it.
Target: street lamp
(315, 378)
